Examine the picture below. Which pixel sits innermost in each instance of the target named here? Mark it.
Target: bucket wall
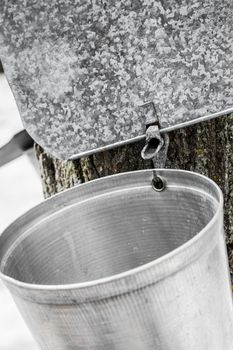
(113, 264)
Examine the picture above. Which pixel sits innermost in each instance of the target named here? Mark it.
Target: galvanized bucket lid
(80, 71)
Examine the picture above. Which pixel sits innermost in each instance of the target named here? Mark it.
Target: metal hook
(155, 143)
(154, 140)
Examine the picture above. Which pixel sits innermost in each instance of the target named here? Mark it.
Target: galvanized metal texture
(80, 69)
(112, 264)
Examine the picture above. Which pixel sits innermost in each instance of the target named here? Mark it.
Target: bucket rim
(119, 276)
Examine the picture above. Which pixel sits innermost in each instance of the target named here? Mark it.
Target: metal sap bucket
(113, 264)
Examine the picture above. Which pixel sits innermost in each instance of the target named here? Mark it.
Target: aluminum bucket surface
(113, 264)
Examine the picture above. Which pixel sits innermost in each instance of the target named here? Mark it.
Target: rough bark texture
(205, 148)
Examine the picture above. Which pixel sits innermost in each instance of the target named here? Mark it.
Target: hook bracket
(156, 144)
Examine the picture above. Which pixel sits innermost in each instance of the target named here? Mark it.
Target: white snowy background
(20, 189)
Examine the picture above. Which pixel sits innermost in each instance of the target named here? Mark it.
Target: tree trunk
(205, 148)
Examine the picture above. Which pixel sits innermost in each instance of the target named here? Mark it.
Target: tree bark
(205, 148)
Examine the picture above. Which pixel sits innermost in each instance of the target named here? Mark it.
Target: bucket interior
(108, 234)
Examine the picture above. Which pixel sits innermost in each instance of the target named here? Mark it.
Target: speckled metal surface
(80, 69)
